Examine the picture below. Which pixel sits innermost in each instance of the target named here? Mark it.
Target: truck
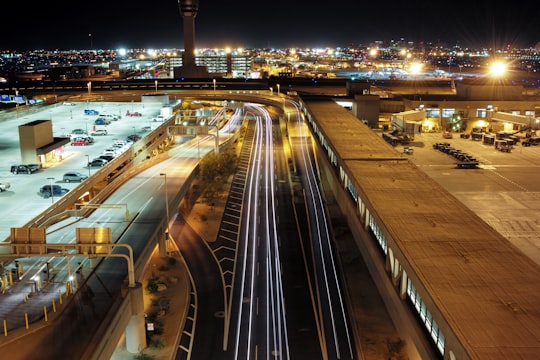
(404, 126)
(4, 186)
(24, 168)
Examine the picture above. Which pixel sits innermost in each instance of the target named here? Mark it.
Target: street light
(166, 202)
(278, 89)
(415, 69)
(155, 84)
(51, 189)
(88, 164)
(89, 87)
(214, 81)
(497, 71)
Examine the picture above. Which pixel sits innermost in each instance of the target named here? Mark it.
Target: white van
(111, 117)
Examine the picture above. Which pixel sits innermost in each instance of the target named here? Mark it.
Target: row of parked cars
(80, 137)
(117, 147)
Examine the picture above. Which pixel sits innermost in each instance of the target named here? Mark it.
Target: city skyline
(106, 25)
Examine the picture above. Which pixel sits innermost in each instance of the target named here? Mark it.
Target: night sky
(65, 25)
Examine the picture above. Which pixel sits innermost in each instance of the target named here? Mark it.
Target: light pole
(277, 89)
(415, 69)
(89, 87)
(166, 202)
(214, 81)
(155, 84)
(51, 189)
(88, 164)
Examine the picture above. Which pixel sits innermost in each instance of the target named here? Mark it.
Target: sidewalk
(206, 221)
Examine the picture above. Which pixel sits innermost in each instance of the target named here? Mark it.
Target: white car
(99, 132)
(159, 118)
(110, 117)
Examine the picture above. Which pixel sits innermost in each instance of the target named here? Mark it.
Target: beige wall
(32, 136)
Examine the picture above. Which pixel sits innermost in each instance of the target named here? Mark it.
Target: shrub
(163, 268)
(171, 261)
(157, 343)
(152, 285)
(142, 356)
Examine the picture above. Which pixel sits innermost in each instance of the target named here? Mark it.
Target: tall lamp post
(88, 164)
(51, 189)
(415, 69)
(497, 71)
(166, 201)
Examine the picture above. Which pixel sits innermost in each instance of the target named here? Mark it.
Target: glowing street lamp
(497, 69)
(51, 188)
(166, 201)
(415, 70)
(88, 164)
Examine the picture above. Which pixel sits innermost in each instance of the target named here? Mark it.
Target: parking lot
(23, 201)
(503, 189)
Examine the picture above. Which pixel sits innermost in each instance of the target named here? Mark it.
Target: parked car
(4, 186)
(79, 142)
(107, 156)
(74, 176)
(102, 121)
(99, 132)
(97, 162)
(159, 118)
(133, 137)
(78, 132)
(113, 152)
(110, 117)
(91, 112)
(24, 169)
(88, 138)
(55, 190)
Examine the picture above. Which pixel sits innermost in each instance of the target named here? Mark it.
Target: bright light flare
(416, 68)
(497, 69)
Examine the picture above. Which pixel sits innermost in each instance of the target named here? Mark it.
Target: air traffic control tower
(188, 10)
